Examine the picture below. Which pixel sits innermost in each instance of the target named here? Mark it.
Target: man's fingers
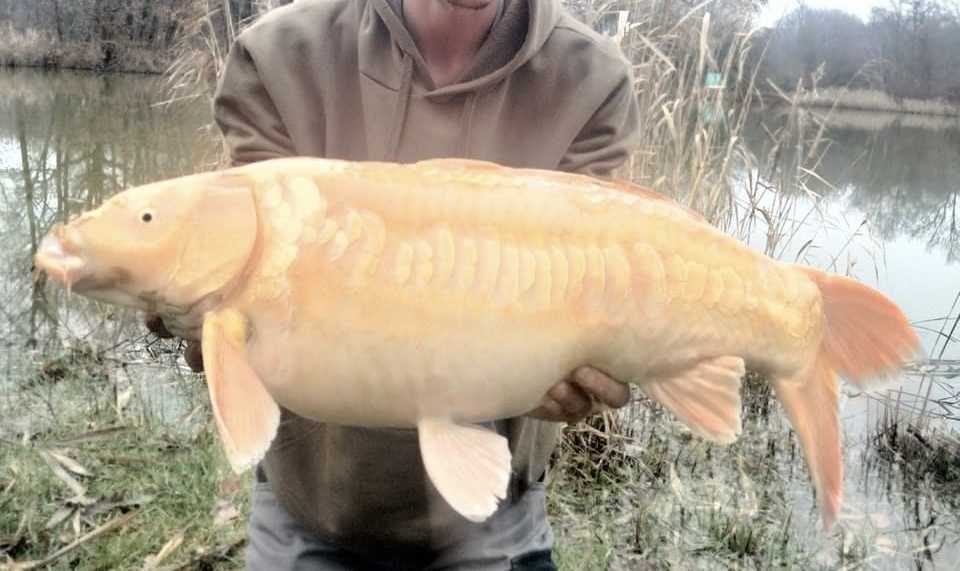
(608, 391)
(552, 411)
(193, 355)
(571, 398)
(156, 326)
(549, 410)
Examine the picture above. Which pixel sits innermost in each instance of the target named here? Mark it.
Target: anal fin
(706, 398)
(469, 465)
(247, 417)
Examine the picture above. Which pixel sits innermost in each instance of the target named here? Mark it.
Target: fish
(449, 292)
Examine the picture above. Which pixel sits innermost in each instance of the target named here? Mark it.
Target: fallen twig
(78, 489)
(169, 547)
(90, 436)
(115, 522)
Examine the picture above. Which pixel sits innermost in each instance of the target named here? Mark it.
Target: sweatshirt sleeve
(608, 138)
(245, 113)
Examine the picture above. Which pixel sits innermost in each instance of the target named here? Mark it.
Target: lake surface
(886, 214)
(883, 207)
(67, 141)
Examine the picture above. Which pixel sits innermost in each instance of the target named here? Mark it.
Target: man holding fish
(518, 82)
(342, 302)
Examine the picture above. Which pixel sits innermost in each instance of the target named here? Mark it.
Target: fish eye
(146, 216)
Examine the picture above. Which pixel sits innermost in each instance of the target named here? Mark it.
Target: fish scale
(597, 277)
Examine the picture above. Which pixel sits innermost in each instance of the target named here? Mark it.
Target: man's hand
(192, 354)
(586, 392)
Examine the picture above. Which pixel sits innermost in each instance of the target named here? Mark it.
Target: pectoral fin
(469, 465)
(706, 398)
(247, 416)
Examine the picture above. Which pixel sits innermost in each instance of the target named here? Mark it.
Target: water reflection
(67, 141)
(901, 172)
(887, 213)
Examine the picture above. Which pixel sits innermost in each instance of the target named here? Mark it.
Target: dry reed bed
(33, 48)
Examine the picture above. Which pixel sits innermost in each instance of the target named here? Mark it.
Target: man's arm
(245, 113)
(607, 140)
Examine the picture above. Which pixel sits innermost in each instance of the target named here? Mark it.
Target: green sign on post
(710, 113)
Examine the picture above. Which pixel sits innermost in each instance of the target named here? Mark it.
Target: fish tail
(865, 338)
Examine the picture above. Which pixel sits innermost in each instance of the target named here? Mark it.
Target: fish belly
(350, 369)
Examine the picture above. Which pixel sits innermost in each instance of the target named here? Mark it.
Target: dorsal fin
(563, 177)
(461, 163)
(649, 193)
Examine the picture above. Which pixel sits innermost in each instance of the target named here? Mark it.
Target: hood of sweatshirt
(519, 31)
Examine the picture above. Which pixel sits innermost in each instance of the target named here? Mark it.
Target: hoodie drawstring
(466, 123)
(400, 113)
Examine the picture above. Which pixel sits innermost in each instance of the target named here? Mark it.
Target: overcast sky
(777, 8)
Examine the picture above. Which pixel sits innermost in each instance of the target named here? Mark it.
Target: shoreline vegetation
(135, 36)
(40, 49)
(872, 100)
(99, 35)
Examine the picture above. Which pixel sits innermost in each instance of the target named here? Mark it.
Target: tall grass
(39, 49)
(689, 143)
(200, 53)
(698, 88)
(210, 29)
(912, 422)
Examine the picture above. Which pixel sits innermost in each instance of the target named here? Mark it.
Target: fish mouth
(58, 257)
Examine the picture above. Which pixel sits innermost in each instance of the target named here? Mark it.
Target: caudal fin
(866, 337)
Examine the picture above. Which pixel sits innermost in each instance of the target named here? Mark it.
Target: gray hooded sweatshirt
(344, 79)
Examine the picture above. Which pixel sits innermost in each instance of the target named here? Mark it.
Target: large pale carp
(450, 292)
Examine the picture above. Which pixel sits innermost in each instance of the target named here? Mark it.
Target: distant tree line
(123, 35)
(146, 22)
(909, 49)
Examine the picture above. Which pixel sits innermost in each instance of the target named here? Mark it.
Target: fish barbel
(449, 292)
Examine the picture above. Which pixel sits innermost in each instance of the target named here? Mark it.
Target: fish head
(168, 244)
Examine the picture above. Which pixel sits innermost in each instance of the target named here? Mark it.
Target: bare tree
(911, 48)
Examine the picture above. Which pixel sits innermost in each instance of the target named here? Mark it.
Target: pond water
(883, 207)
(67, 141)
(889, 217)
